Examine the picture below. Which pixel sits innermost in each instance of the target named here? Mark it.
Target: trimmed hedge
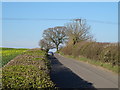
(105, 52)
(29, 70)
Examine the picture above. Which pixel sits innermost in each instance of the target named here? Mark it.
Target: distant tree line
(72, 32)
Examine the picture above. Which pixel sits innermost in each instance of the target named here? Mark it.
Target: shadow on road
(63, 77)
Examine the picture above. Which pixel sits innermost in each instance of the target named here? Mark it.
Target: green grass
(107, 66)
(0, 78)
(28, 70)
(7, 54)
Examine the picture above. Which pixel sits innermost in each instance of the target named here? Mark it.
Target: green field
(28, 70)
(7, 54)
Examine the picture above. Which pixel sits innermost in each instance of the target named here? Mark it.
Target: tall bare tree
(78, 30)
(46, 44)
(56, 35)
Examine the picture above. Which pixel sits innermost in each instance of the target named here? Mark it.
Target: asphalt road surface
(69, 73)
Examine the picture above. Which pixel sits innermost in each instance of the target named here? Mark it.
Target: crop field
(28, 70)
(7, 54)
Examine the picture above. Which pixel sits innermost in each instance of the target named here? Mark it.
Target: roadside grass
(107, 66)
(7, 54)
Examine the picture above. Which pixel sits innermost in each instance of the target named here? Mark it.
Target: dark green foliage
(29, 70)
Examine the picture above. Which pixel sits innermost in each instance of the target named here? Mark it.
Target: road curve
(69, 73)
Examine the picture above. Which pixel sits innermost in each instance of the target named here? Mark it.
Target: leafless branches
(78, 31)
(73, 33)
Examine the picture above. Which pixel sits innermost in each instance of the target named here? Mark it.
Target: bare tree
(46, 44)
(78, 30)
(56, 35)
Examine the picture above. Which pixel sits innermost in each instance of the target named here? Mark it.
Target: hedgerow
(28, 70)
(104, 52)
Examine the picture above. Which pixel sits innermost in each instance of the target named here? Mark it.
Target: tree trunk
(74, 42)
(47, 50)
(57, 47)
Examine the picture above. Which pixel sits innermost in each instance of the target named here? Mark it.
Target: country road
(69, 73)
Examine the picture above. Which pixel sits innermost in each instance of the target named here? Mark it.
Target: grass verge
(107, 66)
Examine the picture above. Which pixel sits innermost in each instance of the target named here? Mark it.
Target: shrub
(105, 52)
(110, 54)
(28, 70)
(68, 50)
(19, 76)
